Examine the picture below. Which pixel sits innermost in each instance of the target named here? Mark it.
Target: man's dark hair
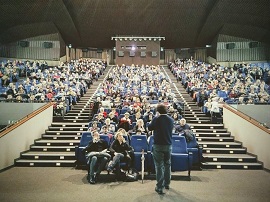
(161, 108)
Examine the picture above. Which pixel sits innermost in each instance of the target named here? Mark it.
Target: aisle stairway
(56, 147)
(220, 150)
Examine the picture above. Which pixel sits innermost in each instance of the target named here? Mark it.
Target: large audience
(37, 82)
(240, 84)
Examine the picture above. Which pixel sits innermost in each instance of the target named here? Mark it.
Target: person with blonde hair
(139, 126)
(120, 151)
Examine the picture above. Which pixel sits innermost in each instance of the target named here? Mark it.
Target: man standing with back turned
(162, 125)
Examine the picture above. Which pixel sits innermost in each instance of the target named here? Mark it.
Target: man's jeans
(97, 162)
(162, 160)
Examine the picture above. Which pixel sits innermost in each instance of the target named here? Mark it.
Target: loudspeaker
(177, 50)
(230, 45)
(85, 50)
(47, 44)
(131, 54)
(253, 44)
(99, 50)
(120, 53)
(143, 54)
(154, 53)
(24, 43)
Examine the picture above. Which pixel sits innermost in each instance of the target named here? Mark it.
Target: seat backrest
(179, 144)
(85, 139)
(139, 142)
(105, 138)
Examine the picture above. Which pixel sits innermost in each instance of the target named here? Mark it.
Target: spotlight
(161, 49)
(150, 39)
(155, 39)
(120, 39)
(145, 39)
(114, 49)
(69, 45)
(135, 39)
(133, 48)
(159, 39)
(130, 39)
(125, 39)
(140, 39)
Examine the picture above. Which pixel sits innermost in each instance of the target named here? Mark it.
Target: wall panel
(36, 49)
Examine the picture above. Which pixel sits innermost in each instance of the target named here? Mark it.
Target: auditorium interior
(69, 69)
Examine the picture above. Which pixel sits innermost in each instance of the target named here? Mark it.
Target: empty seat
(139, 143)
(181, 159)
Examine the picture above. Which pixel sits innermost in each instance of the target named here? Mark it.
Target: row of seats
(184, 154)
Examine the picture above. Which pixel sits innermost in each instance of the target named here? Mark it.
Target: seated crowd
(208, 83)
(63, 85)
(124, 105)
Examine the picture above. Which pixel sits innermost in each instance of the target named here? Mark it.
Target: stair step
(215, 139)
(52, 148)
(213, 134)
(231, 165)
(213, 130)
(45, 163)
(48, 155)
(228, 150)
(229, 157)
(63, 124)
(205, 126)
(66, 128)
(55, 132)
(43, 142)
(61, 137)
(206, 144)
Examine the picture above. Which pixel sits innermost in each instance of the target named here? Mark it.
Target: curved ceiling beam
(65, 2)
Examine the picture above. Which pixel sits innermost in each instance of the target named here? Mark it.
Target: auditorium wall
(20, 139)
(11, 112)
(35, 48)
(234, 49)
(256, 140)
(145, 52)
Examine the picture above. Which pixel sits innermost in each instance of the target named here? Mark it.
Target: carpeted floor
(67, 184)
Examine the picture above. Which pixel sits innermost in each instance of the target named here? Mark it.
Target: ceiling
(92, 23)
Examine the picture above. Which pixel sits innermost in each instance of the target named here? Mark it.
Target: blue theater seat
(181, 159)
(139, 143)
(79, 155)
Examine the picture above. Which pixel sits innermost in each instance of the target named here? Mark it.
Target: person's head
(95, 135)
(119, 136)
(104, 129)
(138, 115)
(175, 115)
(94, 124)
(108, 121)
(140, 122)
(161, 108)
(182, 122)
(122, 130)
(127, 115)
